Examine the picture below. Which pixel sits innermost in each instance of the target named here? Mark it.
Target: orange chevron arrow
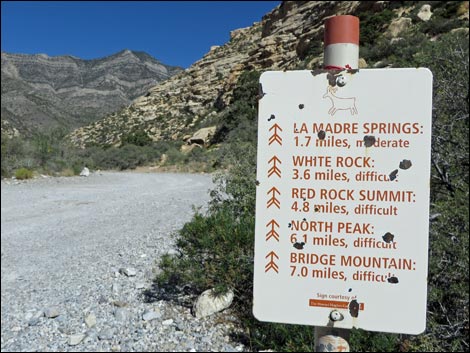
(274, 169)
(272, 233)
(275, 137)
(271, 265)
(273, 200)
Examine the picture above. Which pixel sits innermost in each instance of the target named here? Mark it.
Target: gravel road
(77, 254)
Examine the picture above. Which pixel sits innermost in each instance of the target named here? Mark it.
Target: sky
(175, 32)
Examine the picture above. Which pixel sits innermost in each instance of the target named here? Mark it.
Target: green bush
(49, 153)
(448, 297)
(137, 138)
(215, 249)
(373, 24)
(438, 25)
(242, 110)
(23, 173)
(399, 53)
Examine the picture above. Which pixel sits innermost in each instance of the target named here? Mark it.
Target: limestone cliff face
(42, 91)
(289, 36)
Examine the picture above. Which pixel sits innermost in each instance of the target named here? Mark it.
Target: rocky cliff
(41, 91)
(289, 37)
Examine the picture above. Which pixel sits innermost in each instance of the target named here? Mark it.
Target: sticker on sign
(342, 202)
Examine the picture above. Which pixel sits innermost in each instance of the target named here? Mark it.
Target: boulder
(51, 312)
(121, 314)
(128, 271)
(208, 303)
(90, 320)
(462, 11)
(202, 136)
(188, 148)
(150, 315)
(75, 339)
(425, 12)
(85, 172)
(398, 26)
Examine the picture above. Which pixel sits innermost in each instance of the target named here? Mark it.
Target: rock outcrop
(202, 136)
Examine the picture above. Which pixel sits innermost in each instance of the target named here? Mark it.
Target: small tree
(137, 138)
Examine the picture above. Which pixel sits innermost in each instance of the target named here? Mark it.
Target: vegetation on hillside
(48, 153)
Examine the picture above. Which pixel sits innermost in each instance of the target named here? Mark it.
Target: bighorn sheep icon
(339, 103)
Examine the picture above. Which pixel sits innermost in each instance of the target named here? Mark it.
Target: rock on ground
(209, 303)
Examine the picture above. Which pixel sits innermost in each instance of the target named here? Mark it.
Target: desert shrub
(23, 173)
(448, 298)
(68, 172)
(49, 153)
(12, 150)
(125, 157)
(33, 152)
(175, 156)
(373, 24)
(219, 243)
(439, 24)
(242, 109)
(399, 53)
(137, 138)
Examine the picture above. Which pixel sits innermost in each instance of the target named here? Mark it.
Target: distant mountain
(39, 91)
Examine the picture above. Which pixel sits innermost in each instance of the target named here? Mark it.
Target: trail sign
(342, 203)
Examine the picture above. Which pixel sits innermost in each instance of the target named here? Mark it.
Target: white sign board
(342, 203)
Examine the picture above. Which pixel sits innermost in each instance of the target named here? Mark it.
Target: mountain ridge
(42, 91)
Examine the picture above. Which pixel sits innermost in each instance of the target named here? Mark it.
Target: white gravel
(69, 248)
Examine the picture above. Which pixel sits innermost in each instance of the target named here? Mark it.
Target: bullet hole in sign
(369, 140)
(289, 225)
(316, 209)
(388, 237)
(271, 117)
(350, 290)
(257, 182)
(393, 175)
(321, 134)
(304, 219)
(298, 245)
(331, 79)
(354, 308)
(393, 280)
(301, 106)
(335, 315)
(341, 81)
(405, 164)
(317, 72)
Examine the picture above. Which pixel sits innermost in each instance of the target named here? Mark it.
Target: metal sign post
(342, 201)
(341, 51)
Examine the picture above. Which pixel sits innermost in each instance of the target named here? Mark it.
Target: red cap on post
(341, 42)
(342, 29)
